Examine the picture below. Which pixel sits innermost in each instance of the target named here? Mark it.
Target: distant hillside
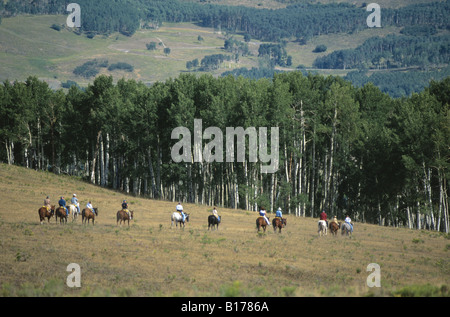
(36, 41)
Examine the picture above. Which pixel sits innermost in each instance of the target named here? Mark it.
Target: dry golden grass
(151, 259)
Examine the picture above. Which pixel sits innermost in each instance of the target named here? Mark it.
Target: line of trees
(392, 51)
(300, 20)
(342, 149)
(398, 83)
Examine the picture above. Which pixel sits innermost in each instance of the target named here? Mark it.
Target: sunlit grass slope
(152, 259)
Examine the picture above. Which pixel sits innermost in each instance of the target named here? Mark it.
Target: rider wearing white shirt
(262, 213)
(180, 210)
(75, 202)
(349, 221)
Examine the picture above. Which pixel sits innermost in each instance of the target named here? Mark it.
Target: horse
(346, 229)
(178, 218)
(123, 216)
(74, 211)
(87, 214)
(322, 228)
(43, 212)
(279, 223)
(261, 222)
(213, 221)
(61, 213)
(334, 227)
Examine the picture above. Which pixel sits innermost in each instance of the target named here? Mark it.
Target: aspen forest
(343, 149)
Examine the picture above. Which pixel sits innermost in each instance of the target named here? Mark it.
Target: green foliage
(121, 66)
(151, 46)
(211, 62)
(398, 84)
(56, 27)
(236, 47)
(391, 51)
(276, 53)
(90, 68)
(320, 48)
(426, 290)
(299, 20)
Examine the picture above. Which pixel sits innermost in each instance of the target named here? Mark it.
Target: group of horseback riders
(179, 208)
(63, 203)
(74, 201)
(323, 217)
(262, 213)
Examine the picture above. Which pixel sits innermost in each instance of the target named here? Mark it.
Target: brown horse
(87, 214)
(278, 223)
(123, 216)
(43, 212)
(61, 213)
(261, 222)
(334, 228)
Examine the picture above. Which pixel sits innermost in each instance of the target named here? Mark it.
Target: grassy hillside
(28, 46)
(152, 259)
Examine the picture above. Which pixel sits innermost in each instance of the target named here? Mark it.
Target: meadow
(30, 47)
(150, 258)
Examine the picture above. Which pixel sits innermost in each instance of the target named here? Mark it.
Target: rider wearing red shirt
(323, 216)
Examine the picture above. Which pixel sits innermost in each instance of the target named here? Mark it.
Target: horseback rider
(279, 213)
(323, 216)
(47, 203)
(75, 202)
(62, 203)
(125, 208)
(262, 213)
(180, 210)
(335, 220)
(89, 206)
(349, 221)
(214, 212)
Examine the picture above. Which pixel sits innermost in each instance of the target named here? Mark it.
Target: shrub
(56, 27)
(320, 49)
(121, 66)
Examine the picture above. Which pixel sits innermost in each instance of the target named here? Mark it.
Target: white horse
(74, 211)
(322, 228)
(347, 229)
(178, 218)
